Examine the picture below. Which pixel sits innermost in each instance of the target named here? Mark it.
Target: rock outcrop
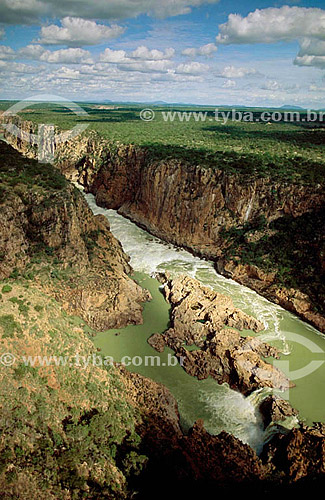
(194, 460)
(299, 454)
(275, 409)
(265, 284)
(208, 324)
(43, 219)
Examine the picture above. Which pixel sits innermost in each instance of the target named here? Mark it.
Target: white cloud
(144, 53)
(142, 59)
(29, 11)
(191, 68)
(316, 61)
(67, 73)
(271, 85)
(311, 47)
(280, 24)
(75, 31)
(109, 76)
(113, 56)
(311, 53)
(190, 52)
(67, 56)
(205, 50)
(6, 52)
(146, 66)
(273, 25)
(14, 67)
(171, 76)
(21, 11)
(31, 52)
(233, 72)
(229, 84)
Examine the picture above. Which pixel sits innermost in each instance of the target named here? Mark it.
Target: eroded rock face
(157, 342)
(186, 460)
(101, 294)
(155, 402)
(209, 323)
(190, 206)
(275, 409)
(40, 223)
(212, 463)
(300, 453)
(223, 458)
(291, 299)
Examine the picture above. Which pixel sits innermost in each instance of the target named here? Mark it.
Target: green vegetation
(24, 176)
(23, 308)
(296, 256)
(90, 240)
(32, 187)
(9, 325)
(288, 151)
(62, 427)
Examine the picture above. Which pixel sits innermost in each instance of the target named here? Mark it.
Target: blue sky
(258, 53)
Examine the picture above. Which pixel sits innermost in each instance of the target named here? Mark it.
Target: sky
(216, 52)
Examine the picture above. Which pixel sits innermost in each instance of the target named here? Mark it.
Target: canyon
(220, 216)
(190, 207)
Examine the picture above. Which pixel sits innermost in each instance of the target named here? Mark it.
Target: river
(302, 347)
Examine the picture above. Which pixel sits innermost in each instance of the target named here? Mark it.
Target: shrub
(9, 325)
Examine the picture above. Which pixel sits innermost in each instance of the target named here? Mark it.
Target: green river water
(302, 347)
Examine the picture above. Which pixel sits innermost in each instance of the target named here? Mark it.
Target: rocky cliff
(263, 232)
(97, 431)
(45, 221)
(228, 219)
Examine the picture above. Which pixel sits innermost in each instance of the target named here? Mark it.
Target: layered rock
(265, 284)
(40, 223)
(70, 429)
(199, 462)
(196, 459)
(208, 323)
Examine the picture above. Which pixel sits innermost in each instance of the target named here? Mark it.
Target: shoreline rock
(275, 409)
(208, 322)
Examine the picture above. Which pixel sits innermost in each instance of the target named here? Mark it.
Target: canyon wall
(198, 208)
(45, 221)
